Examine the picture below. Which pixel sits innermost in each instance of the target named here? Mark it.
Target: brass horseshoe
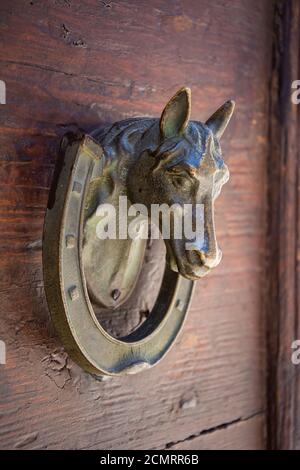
(87, 166)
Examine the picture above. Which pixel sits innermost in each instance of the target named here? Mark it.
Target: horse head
(185, 167)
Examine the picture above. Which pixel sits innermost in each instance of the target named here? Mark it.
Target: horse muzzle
(194, 264)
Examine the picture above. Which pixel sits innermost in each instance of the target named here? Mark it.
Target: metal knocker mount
(147, 161)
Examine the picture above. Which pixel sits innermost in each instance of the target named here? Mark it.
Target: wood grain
(283, 312)
(70, 64)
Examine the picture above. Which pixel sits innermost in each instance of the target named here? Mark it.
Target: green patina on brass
(150, 161)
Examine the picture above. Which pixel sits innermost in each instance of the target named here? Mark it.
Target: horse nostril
(196, 257)
(202, 257)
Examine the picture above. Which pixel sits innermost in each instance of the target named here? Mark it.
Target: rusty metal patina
(150, 161)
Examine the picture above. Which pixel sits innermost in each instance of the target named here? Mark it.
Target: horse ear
(220, 119)
(175, 117)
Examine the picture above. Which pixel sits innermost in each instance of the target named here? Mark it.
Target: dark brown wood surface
(70, 64)
(283, 313)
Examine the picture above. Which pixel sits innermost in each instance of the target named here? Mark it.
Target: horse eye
(180, 182)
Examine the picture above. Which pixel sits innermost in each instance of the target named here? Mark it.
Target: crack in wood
(219, 427)
(62, 72)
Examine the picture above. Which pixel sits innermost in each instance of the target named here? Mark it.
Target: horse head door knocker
(145, 162)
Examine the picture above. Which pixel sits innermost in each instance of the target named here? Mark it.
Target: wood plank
(283, 290)
(80, 64)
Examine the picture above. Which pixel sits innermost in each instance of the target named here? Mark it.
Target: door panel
(70, 64)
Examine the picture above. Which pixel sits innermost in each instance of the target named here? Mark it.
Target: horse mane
(125, 136)
(187, 148)
(132, 136)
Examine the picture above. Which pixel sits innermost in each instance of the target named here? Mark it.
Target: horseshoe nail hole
(180, 305)
(77, 187)
(73, 293)
(70, 241)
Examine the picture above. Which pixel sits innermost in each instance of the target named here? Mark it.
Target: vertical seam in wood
(283, 237)
(297, 277)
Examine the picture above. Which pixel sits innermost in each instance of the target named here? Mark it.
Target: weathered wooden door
(69, 64)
